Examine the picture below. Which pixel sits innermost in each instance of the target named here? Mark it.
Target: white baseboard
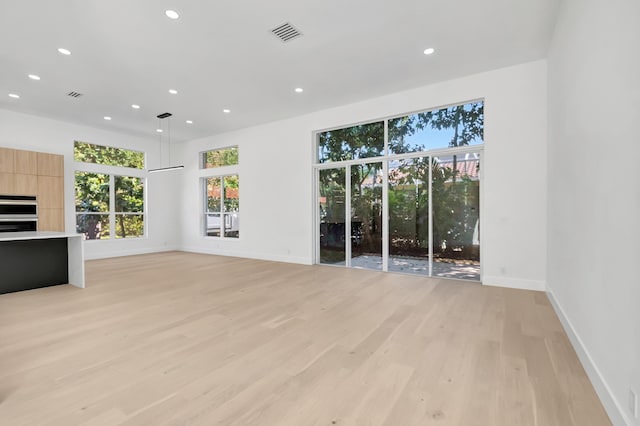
(518, 283)
(121, 253)
(257, 256)
(616, 414)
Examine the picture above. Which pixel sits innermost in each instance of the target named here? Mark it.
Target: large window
(451, 127)
(98, 154)
(222, 206)
(109, 206)
(403, 194)
(351, 143)
(219, 158)
(109, 194)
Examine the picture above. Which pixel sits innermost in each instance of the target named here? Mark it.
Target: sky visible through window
(434, 139)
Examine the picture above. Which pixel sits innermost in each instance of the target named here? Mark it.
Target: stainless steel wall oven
(18, 213)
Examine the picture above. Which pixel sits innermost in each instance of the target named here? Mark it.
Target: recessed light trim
(299, 90)
(34, 77)
(135, 106)
(173, 91)
(159, 130)
(14, 96)
(429, 51)
(226, 111)
(107, 118)
(64, 51)
(172, 14)
(189, 122)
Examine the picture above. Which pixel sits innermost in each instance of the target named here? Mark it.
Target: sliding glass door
(456, 216)
(409, 215)
(403, 194)
(332, 214)
(366, 215)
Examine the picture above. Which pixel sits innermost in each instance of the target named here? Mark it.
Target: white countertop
(36, 235)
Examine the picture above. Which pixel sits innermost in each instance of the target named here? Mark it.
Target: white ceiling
(221, 54)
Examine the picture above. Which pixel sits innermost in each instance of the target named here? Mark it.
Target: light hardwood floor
(187, 339)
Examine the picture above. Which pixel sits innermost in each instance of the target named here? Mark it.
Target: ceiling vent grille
(286, 32)
(74, 94)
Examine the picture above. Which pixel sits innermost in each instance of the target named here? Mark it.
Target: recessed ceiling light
(107, 118)
(159, 130)
(64, 51)
(14, 96)
(429, 51)
(173, 91)
(189, 122)
(34, 77)
(171, 14)
(134, 106)
(299, 90)
(226, 111)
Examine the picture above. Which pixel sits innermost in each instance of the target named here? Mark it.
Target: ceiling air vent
(286, 32)
(74, 94)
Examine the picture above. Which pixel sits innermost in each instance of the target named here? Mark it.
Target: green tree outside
(93, 193)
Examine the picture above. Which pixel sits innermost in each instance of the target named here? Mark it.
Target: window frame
(202, 158)
(205, 203)
(385, 152)
(144, 156)
(112, 172)
(386, 159)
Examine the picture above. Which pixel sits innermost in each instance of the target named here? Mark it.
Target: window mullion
(112, 206)
(430, 207)
(222, 215)
(347, 216)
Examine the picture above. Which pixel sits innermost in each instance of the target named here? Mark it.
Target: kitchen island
(33, 259)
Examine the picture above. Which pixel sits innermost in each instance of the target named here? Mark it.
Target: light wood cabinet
(7, 184)
(25, 184)
(51, 220)
(50, 164)
(6, 160)
(39, 174)
(25, 162)
(50, 192)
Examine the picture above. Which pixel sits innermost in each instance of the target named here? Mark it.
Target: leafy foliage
(455, 198)
(98, 154)
(129, 198)
(221, 157)
(464, 124)
(364, 141)
(93, 193)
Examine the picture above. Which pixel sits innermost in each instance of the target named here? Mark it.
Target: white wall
(275, 172)
(594, 197)
(28, 132)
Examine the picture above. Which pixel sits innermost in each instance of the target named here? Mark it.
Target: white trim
(385, 204)
(430, 212)
(201, 161)
(114, 172)
(123, 253)
(144, 154)
(315, 203)
(385, 214)
(204, 191)
(404, 114)
(481, 212)
(519, 283)
(247, 255)
(439, 152)
(617, 415)
(347, 216)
